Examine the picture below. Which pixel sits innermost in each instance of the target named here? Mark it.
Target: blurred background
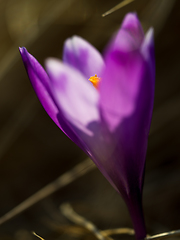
(34, 152)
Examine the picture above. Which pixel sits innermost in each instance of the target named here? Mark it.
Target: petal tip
(129, 19)
(24, 53)
(22, 49)
(132, 24)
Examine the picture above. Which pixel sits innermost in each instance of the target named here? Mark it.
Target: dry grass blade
(65, 179)
(69, 213)
(37, 236)
(51, 14)
(116, 231)
(17, 123)
(174, 233)
(120, 5)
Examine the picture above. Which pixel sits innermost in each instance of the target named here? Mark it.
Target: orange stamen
(95, 81)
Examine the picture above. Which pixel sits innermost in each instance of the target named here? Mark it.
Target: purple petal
(120, 86)
(129, 36)
(75, 97)
(132, 25)
(126, 101)
(39, 80)
(83, 56)
(126, 105)
(128, 81)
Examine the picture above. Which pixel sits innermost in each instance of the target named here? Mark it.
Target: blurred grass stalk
(69, 213)
(117, 7)
(65, 179)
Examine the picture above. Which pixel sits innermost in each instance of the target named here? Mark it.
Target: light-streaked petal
(76, 97)
(83, 56)
(147, 50)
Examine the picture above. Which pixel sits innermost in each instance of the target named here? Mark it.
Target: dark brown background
(34, 152)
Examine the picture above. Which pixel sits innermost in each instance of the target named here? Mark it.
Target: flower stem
(136, 213)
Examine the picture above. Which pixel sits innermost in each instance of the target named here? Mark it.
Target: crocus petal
(40, 82)
(132, 25)
(120, 86)
(78, 101)
(129, 36)
(74, 95)
(127, 113)
(83, 56)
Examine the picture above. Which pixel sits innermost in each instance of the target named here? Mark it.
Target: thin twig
(173, 233)
(20, 119)
(120, 5)
(37, 236)
(69, 213)
(65, 179)
(116, 231)
(56, 9)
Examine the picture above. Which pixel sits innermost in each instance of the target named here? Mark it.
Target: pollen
(95, 81)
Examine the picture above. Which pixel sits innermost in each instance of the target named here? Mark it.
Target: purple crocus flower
(111, 122)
